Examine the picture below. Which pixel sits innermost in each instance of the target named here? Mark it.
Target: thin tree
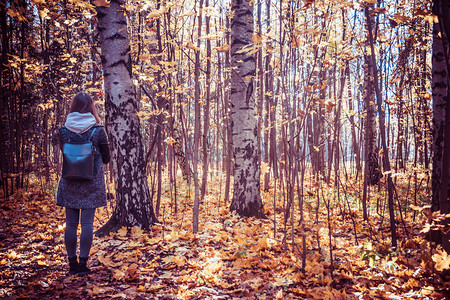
(197, 128)
(381, 113)
(207, 108)
(372, 173)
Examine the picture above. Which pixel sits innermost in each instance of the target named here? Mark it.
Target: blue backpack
(78, 158)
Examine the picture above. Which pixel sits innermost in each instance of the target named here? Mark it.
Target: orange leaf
(101, 3)
(256, 39)
(223, 48)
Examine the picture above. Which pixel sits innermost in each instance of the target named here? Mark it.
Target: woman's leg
(87, 230)
(70, 235)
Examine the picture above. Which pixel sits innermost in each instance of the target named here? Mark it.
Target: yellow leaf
(44, 13)
(179, 261)
(265, 168)
(101, 3)
(94, 291)
(400, 18)
(242, 264)
(141, 289)
(419, 208)
(42, 263)
(442, 260)
(12, 255)
(262, 243)
(368, 246)
(154, 240)
(131, 272)
(122, 232)
(108, 262)
(157, 13)
(134, 244)
(256, 39)
(186, 235)
(94, 249)
(167, 259)
(223, 48)
(170, 141)
(190, 45)
(136, 232)
(211, 37)
(118, 274)
(428, 290)
(426, 228)
(329, 106)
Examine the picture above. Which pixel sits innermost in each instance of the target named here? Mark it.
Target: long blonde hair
(83, 103)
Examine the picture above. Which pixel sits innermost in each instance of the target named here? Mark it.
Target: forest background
(349, 101)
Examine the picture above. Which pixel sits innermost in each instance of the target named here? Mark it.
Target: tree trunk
(259, 87)
(207, 108)
(381, 113)
(227, 116)
(355, 144)
(197, 133)
(270, 118)
(246, 197)
(372, 173)
(372, 169)
(441, 119)
(134, 204)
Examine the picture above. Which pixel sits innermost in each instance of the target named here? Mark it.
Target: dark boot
(73, 265)
(82, 267)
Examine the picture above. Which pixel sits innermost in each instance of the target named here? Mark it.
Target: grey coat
(85, 194)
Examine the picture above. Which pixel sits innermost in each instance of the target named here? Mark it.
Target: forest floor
(230, 257)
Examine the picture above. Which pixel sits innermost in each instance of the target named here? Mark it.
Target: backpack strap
(66, 132)
(92, 134)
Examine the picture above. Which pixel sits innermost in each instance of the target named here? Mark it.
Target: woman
(81, 198)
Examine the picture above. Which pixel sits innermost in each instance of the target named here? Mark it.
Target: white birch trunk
(246, 196)
(441, 127)
(134, 204)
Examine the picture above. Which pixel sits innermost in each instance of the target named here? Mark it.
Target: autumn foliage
(229, 257)
(347, 101)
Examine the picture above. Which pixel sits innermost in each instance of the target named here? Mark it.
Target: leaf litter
(230, 258)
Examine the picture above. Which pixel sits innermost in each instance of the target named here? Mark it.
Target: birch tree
(246, 196)
(441, 121)
(134, 204)
(372, 173)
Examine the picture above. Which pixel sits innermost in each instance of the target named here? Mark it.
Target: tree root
(111, 226)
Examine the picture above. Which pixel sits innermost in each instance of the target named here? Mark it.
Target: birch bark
(441, 121)
(134, 204)
(246, 196)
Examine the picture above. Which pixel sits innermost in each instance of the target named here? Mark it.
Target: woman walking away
(81, 197)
